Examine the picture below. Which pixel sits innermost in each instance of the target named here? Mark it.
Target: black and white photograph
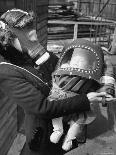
(57, 77)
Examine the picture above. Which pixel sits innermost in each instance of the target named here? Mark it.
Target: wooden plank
(42, 37)
(44, 43)
(83, 23)
(42, 17)
(42, 10)
(113, 49)
(75, 31)
(17, 145)
(41, 24)
(42, 31)
(42, 2)
(60, 36)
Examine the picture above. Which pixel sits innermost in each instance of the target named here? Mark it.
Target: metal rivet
(70, 73)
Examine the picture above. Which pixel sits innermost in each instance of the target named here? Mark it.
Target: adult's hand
(97, 97)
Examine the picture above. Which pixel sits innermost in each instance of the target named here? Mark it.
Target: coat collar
(21, 68)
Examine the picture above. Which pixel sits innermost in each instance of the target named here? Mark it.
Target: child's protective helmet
(82, 58)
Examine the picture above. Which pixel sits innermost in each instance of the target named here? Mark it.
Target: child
(79, 70)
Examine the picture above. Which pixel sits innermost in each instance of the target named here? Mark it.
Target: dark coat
(25, 88)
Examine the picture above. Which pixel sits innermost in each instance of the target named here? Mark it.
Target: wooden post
(75, 31)
(113, 45)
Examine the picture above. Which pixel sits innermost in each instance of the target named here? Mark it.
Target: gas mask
(20, 24)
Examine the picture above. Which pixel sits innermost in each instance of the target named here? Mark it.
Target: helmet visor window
(79, 58)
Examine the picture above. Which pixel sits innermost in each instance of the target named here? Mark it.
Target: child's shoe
(67, 144)
(57, 130)
(55, 136)
(73, 132)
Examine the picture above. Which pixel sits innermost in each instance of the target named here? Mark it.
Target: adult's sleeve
(33, 101)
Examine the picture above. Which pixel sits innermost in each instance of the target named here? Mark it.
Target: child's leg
(73, 132)
(71, 135)
(57, 130)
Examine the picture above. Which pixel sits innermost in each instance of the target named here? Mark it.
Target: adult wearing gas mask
(23, 84)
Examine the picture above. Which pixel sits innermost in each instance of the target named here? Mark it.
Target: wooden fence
(101, 8)
(97, 32)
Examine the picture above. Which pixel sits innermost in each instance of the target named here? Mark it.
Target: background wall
(92, 7)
